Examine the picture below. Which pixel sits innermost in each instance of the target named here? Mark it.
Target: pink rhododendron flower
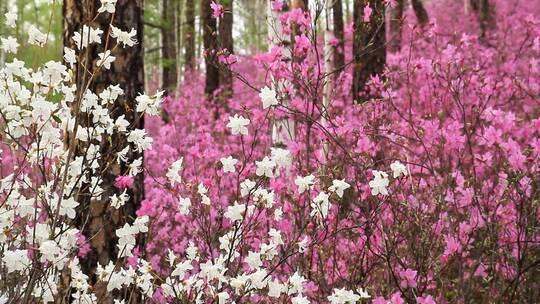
(367, 13)
(277, 5)
(425, 300)
(123, 182)
(217, 10)
(481, 271)
(408, 278)
(396, 298)
(301, 45)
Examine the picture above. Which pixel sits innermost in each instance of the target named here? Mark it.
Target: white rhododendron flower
(108, 6)
(282, 157)
(304, 183)
(320, 206)
(139, 138)
(89, 36)
(265, 167)
(235, 212)
(135, 167)
(299, 299)
(343, 296)
(339, 186)
(228, 164)
(173, 174)
(246, 187)
(185, 204)
(36, 37)
(268, 97)
(149, 104)
(254, 260)
(70, 56)
(296, 284)
(118, 201)
(9, 44)
(275, 288)
(379, 183)
(105, 59)
(11, 19)
(302, 244)
(238, 125)
(398, 169)
(16, 260)
(126, 38)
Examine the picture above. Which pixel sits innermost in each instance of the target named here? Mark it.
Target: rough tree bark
(396, 22)
(420, 12)
(189, 36)
(369, 51)
(168, 44)
(97, 220)
(226, 42)
(210, 46)
(337, 14)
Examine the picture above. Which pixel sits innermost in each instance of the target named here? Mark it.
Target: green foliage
(46, 19)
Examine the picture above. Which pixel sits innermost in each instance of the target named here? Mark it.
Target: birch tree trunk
(282, 129)
(328, 68)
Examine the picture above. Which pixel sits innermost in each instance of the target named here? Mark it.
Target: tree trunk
(283, 129)
(179, 29)
(226, 42)
(337, 14)
(296, 4)
(486, 18)
(396, 23)
(329, 66)
(420, 12)
(210, 47)
(475, 6)
(369, 51)
(303, 4)
(3, 10)
(347, 12)
(168, 44)
(189, 36)
(96, 218)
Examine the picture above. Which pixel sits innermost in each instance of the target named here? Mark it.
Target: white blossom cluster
(52, 129)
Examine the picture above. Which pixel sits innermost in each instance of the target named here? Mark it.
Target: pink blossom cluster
(451, 142)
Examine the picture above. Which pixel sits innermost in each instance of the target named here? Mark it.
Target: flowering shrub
(52, 129)
(427, 193)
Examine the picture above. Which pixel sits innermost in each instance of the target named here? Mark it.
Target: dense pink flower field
(461, 222)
